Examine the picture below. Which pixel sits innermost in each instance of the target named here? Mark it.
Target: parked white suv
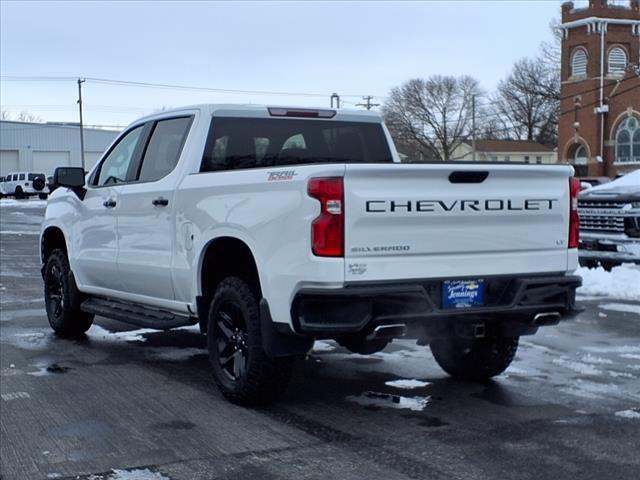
(272, 227)
(24, 184)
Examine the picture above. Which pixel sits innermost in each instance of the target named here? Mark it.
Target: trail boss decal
(281, 175)
(489, 205)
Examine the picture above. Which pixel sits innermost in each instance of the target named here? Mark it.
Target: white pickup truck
(273, 227)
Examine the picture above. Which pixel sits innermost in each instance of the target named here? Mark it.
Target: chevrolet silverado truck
(273, 227)
(610, 223)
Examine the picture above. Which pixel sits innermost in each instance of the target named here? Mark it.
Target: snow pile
(621, 282)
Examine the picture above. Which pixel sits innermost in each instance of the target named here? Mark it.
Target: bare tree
(527, 101)
(23, 116)
(432, 116)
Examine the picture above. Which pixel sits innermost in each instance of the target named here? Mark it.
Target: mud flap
(279, 344)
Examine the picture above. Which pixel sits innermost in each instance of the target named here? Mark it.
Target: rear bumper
(359, 309)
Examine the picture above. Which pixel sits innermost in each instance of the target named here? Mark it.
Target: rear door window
(164, 148)
(22, 176)
(238, 143)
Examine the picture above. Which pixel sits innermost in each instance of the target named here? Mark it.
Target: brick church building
(599, 131)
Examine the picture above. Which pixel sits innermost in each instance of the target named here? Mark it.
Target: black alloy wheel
(55, 290)
(62, 298)
(232, 340)
(243, 371)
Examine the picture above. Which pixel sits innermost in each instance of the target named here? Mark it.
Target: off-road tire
(474, 359)
(263, 378)
(65, 318)
(19, 193)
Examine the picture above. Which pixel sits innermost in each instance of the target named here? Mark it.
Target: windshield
(236, 143)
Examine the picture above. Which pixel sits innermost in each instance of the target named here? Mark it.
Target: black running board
(140, 316)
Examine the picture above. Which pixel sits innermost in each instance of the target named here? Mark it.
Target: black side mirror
(70, 177)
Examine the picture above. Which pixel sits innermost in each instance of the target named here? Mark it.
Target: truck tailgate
(407, 221)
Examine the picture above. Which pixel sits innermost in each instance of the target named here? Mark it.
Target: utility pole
(368, 105)
(473, 126)
(80, 82)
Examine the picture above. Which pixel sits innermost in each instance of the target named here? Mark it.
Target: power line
(575, 108)
(130, 83)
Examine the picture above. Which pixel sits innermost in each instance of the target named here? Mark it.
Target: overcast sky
(353, 48)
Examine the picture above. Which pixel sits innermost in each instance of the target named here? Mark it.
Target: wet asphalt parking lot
(124, 403)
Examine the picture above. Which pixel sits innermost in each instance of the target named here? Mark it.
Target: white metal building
(41, 147)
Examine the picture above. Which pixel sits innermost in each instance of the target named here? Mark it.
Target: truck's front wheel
(241, 368)
(62, 299)
(474, 359)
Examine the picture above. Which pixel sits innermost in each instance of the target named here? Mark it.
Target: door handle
(109, 203)
(160, 202)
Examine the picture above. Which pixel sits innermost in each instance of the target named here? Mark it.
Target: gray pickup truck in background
(610, 223)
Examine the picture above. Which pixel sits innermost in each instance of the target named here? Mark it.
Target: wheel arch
(222, 257)
(52, 238)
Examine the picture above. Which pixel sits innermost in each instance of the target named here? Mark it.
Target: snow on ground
(621, 282)
(324, 346)
(621, 307)
(31, 203)
(20, 232)
(385, 400)
(135, 474)
(631, 413)
(592, 390)
(176, 354)
(588, 358)
(407, 384)
(578, 367)
(98, 332)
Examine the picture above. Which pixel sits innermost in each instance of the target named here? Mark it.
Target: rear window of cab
(241, 143)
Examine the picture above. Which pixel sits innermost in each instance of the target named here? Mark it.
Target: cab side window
(164, 148)
(115, 166)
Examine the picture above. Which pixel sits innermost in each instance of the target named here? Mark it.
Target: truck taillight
(574, 220)
(327, 230)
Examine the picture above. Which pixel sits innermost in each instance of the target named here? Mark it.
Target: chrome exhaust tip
(388, 331)
(548, 318)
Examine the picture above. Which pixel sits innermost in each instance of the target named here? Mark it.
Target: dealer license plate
(462, 293)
